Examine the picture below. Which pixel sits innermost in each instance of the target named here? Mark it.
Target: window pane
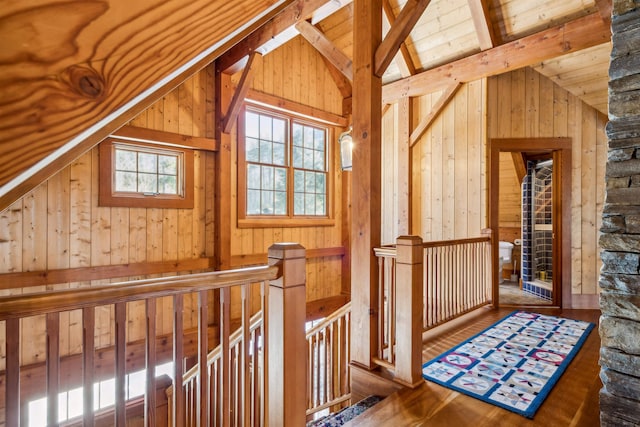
(298, 181)
(267, 203)
(265, 152)
(298, 203)
(265, 127)
(253, 176)
(168, 165)
(252, 149)
(253, 202)
(297, 135)
(147, 162)
(278, 154)
(126, 181)
(251, 125)
(167, 184)
(147, 183)
(320, 181)
(297, 157)
(309, 182)
(280, 179)
(309, 204)
(125, 160)
(267, 178)
(318, 160)
(308, 159)
(318, 138)
(308, 137)
(279, 130)
(280, 203)
(320, 205)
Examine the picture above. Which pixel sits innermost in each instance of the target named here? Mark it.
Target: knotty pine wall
(524, 103)
(510, 213)
(296, 72)
(448, 162)
(59, 225)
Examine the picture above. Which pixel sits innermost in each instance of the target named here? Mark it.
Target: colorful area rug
(514, 363)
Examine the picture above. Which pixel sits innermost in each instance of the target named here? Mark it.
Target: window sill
(285, 222)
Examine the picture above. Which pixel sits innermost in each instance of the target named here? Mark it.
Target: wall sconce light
(346, 149)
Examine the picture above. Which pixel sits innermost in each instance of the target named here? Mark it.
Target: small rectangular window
(143, 175)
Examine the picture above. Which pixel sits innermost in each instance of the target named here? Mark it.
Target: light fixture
(346, 148)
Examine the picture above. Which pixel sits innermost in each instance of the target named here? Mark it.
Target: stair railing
(213, 399)
(328, 374)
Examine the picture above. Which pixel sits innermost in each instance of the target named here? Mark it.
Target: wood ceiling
(64, 87)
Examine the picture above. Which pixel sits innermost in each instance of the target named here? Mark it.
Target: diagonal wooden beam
(426, 121)
(241, 91)
(400, 29)
(572, 36)
(326, 48)
(407, 68)
(284, 21)
(341, 81)
(519, 164)
(482, 21)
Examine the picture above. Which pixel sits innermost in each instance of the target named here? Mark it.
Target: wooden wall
(524, 103)
(296, 72)
(448, 163)
(510, 213)
(59, 225)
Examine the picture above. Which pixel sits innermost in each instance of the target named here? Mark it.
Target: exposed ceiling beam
(604, 7)
(280, 28)
(341, 81)
(405, 64)
(63, 98)
(482, 22)
(238, 96)
(426, 121)
(519, 165)
(573, 36)
(326, 48)
(400, 29)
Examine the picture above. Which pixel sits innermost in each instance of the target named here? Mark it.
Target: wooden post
(409, 300)
(286, 342)
(492, 274)
(366, 185)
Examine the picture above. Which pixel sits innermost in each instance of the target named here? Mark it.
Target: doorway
(549, 273)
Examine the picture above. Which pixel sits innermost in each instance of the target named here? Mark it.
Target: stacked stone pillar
(620, 232)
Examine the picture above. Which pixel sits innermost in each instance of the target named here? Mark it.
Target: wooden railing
(328, 379)
(213, 401)
(422, 285)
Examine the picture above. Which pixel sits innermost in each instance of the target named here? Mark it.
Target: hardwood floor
(572, 402)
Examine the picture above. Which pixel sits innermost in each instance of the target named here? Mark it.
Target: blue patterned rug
(514, 363)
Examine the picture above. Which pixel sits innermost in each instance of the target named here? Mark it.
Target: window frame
(290, 219)
(111, 198)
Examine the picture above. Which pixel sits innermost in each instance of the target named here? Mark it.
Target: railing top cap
(287, 251)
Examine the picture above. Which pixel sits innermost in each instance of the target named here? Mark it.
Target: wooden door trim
(561, 149)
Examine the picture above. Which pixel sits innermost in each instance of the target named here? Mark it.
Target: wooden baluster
(286, 310)
(88, 352)
(12, 372)
(225, 331)
(53, 367)
(203, 351)
(150, 356)
(245, 374)
(121, 383)
(382, 285)
(409, 290)
(178, 361)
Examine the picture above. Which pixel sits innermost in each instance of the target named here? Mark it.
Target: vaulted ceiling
(65, 86)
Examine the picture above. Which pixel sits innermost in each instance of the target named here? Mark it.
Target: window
(144, 175)
(283, 169)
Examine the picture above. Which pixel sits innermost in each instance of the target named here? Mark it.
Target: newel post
(286, 340)
(409, 308)
(493, 263)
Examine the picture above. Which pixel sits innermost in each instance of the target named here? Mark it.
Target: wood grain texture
(88, 80)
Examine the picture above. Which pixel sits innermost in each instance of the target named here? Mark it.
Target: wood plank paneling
(550, 111)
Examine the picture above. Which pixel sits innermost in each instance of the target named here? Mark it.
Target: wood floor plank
(572, 402)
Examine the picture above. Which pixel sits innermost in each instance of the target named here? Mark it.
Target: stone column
(620, 237)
